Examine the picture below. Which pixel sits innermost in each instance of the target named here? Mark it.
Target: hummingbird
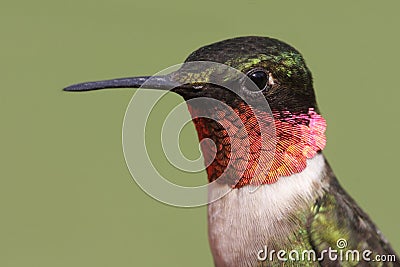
(298, 204)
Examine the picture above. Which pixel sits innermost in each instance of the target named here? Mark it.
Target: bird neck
(268, 215)
(256, 160)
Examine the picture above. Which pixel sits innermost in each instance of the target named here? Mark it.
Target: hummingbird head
(277, 69)
(278, 74)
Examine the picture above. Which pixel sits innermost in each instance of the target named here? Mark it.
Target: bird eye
(260, 78)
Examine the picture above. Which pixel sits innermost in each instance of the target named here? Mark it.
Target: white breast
(247, 219)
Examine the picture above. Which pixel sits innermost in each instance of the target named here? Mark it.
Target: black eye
(260, 78)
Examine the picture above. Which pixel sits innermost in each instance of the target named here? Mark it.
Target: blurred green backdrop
(66, 196)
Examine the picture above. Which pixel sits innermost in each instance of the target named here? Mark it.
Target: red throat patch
(298, 137)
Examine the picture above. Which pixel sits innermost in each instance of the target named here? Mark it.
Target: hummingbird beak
(153, 82)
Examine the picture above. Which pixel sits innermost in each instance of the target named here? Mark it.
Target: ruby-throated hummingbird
(299, 205)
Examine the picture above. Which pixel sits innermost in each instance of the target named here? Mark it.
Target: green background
(66, 196)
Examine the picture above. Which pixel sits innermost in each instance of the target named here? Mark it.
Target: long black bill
(154, 82)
